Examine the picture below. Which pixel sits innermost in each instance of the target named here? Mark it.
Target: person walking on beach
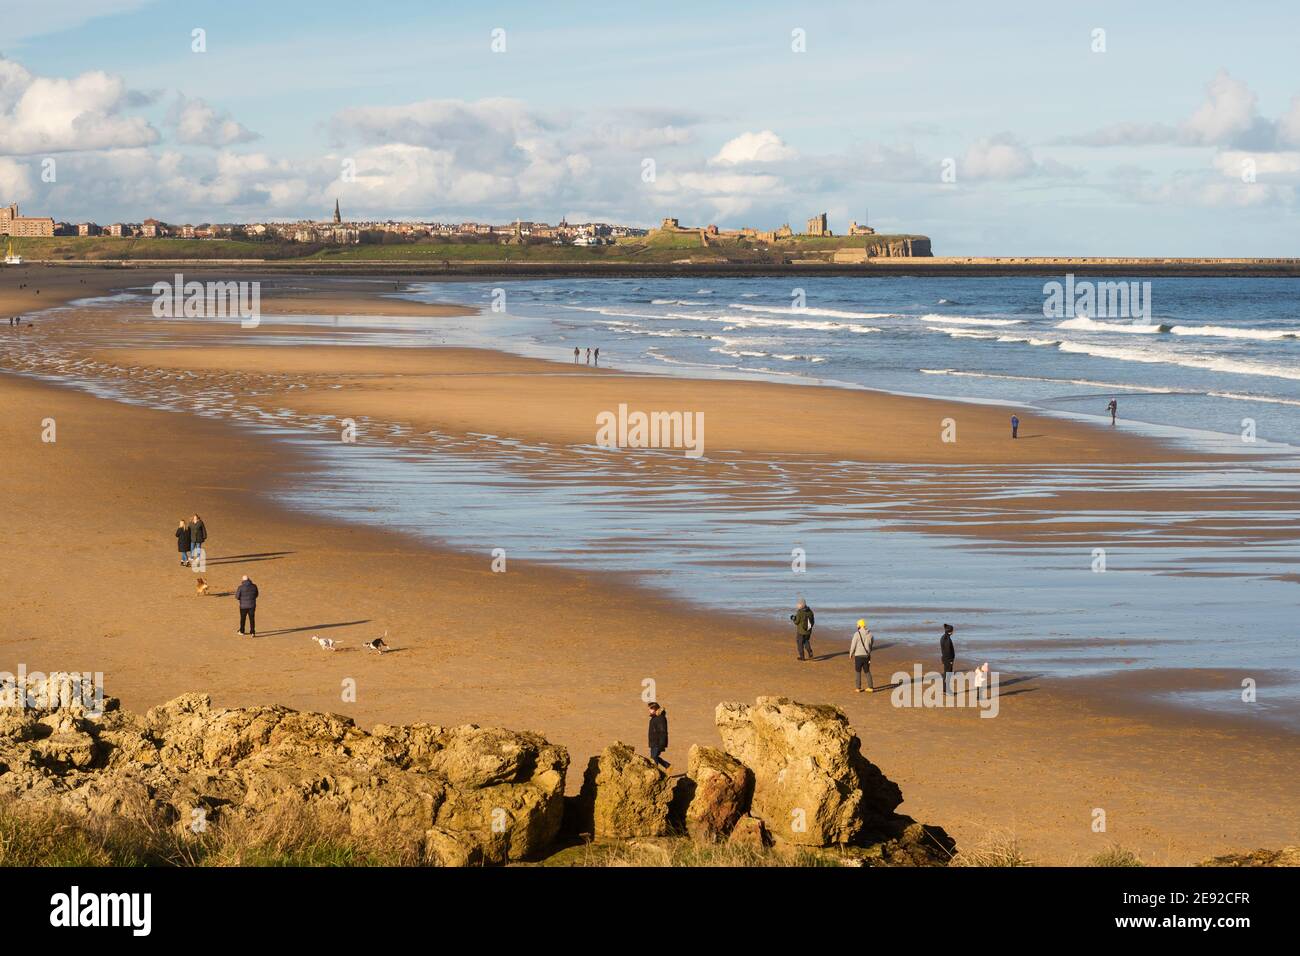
(183, 541)
(1015, 426)
(589, 355)
(860, 653)
(982, 682)
(198, 534)
(803, 619)
(658, 734)
(246, 595)
(1113, 408)
(575, 355)
(597, 355)
(948, 653)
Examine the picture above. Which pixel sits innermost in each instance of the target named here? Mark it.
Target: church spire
(337, 217)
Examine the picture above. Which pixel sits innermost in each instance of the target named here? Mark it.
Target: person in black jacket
(246, 595)
(948, 653)
(198, 534)
(183, 540)
(658, 734)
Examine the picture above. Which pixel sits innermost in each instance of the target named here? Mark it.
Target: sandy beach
(94, 583)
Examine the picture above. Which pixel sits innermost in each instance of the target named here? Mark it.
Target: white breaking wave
(1154, 389)
(1038, 378)
(1205, 363)
(829, 313)
(1227, 332)
(747, 353)
(965, 333)
(969, 320)
(1085, 324)
(1028, 340)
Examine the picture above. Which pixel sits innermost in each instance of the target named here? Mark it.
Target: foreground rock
(720, 789)
(624, 795)
(446, 795)
(1287, 856)
(812, 786)
(794, 775)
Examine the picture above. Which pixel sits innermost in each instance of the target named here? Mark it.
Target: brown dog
(200, 587)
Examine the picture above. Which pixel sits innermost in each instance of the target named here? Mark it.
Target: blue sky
(1181, 138)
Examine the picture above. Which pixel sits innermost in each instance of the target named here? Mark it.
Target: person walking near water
(860, 653)
(1113, 408)
(803, 619)
(198, 535)
(596, 355)
(246, 595)
(589, 355)
(575, 355)
(658, 734)
(1015, 426)
(948, 653)
(183, 540)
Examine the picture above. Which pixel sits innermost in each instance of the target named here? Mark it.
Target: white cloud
(48, 115)
(198, 124)
(1227, 113)
(997, 157)
(764, 147)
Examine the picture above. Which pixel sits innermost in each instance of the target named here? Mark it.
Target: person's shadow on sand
(264, 556)
(312, 627)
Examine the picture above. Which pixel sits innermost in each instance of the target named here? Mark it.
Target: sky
(1160, 128)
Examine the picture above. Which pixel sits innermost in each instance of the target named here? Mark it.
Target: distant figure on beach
(982, 681)
(803, 619)
(948, 653)
(1113, 408)
(589, 355)
(575, 355)
(860, 646)
(246, 595)
(198, 534)
(183, 540)
(658, 734)
(597, 355)
(1015, 426)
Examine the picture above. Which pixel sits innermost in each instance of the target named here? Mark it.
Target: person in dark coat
(198, 534)
(246, 595)
(658, 734)
(183, 540)
(948, 653)
(803, 619)
(1015, 426)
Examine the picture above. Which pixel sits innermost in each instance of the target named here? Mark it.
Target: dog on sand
(200, 587)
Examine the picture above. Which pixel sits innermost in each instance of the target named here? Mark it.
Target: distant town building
(152, 229)
(12, 224)
(87, 229)
(338, 218)
(856, 230)
(817, 226)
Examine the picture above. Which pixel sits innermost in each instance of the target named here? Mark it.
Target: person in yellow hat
(860, 653)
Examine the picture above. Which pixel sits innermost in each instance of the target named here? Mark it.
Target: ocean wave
(1085, 324)
(1040, 378)
(1028, 340)
(747, 353)
(969, 320)
(749, 322)
(809, 310)
(1228, 332)
(964, 333)
(1203, 363)
(1114, 386)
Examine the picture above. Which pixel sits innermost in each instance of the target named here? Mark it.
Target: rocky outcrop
(624, 795)
(720, 788)
(450, 795)
(812, 785)
(1286, 856)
